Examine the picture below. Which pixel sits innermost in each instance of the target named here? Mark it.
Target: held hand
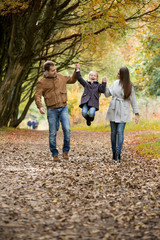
(77, 66)
(42, 110)
(136, 119)
(104, 79)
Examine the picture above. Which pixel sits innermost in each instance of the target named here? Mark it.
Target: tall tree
(33, 31)
(145, 58)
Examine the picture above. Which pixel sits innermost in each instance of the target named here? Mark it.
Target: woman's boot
(118, 158)
(114, 156)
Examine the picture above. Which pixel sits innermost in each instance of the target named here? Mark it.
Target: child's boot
(91, 118)
(88, 120)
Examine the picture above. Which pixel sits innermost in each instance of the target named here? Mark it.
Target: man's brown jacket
(53, 90)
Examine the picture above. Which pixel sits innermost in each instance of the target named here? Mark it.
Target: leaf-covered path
(86, 197)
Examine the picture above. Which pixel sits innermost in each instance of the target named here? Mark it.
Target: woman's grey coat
(119, 109)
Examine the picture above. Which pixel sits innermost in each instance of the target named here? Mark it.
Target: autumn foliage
(11, 6)
(85, 197)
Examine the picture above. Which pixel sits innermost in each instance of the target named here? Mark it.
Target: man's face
(93, 76)
(52, 72)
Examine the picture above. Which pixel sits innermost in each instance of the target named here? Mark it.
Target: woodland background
(100, 35)
(88, 196)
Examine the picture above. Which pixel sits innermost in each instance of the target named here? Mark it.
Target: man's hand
(42, 110)
(77, 66)
(104, 79)
(136, 119)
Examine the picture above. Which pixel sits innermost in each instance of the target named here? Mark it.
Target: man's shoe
(65, 155)
(56, 158)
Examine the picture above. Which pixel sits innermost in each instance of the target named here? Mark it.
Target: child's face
(93, 76)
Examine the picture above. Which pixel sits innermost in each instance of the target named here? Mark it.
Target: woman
(122, 92)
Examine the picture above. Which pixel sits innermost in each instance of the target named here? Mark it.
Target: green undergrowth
(148, 145)
(143, 125)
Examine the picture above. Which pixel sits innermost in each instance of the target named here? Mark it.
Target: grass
(149, 145)
(152, 125)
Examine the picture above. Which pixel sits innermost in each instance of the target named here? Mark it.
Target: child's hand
(104, 79)
(77, 66)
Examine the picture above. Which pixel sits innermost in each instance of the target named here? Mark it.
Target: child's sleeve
(102, 87)
(80, 79)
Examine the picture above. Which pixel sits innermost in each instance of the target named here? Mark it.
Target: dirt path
(87, 197)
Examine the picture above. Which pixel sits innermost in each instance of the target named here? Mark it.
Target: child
(90, 98)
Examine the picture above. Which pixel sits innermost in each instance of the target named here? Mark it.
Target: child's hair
(125, 81)
(93, 72)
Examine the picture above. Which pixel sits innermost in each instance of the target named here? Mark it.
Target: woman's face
(118, 74)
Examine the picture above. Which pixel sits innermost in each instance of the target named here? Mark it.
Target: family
(52, 86)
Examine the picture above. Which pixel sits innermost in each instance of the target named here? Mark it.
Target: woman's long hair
(125, 81)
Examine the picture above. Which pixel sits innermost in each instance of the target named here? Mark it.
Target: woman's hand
(136, 118)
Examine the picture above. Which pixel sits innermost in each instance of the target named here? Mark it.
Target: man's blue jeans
(88, 111)
(54, 115)
(117, 136)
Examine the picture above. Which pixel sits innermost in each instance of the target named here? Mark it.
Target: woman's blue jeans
(86, 110)
(54, 115)
(117, 136)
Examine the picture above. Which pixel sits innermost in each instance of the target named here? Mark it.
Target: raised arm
(71, 80)
(107, 92)
(102, 87)
(80, 79)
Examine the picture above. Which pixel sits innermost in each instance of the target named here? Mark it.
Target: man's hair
(47, 65)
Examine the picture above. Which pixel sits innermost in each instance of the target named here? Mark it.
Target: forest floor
(87, 197)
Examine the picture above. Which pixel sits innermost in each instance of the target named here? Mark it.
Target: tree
(25, 43)
(144, 60)
(34, 31)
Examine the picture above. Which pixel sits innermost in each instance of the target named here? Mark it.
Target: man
(52, 86)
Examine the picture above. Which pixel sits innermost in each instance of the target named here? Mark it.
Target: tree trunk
(17, 121)
(7, 92)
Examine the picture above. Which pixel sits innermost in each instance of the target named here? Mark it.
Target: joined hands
(104, 79)
(77, 66)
